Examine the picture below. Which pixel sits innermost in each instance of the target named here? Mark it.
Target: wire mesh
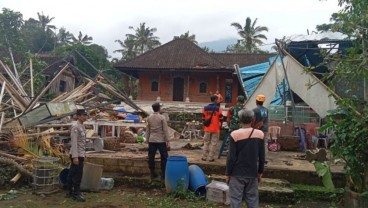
(46, 175)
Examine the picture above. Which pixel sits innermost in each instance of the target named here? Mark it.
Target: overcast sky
(108, 20)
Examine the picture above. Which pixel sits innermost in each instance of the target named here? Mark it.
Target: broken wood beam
(3, 154)
(19, 167)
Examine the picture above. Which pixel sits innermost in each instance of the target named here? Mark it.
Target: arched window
(203, 87)
(154, 86)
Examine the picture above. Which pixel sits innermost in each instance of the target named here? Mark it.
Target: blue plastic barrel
(63, 176)
(197, 180)
(132, 117)
(176, 174)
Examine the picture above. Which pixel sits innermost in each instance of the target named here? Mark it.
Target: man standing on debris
(213, 113)
(220, 99)
(245, 162)
(261, 117)
(157, 135)
(77, 155)
(232, 117)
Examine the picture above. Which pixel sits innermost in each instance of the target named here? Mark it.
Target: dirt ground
(125, 197)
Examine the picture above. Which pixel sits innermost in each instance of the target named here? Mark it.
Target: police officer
(77, 154)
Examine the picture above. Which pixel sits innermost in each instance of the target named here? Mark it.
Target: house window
(62, 86)
(202, 87)
(154, 86)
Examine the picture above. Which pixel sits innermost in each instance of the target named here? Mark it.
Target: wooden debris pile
(22, 137)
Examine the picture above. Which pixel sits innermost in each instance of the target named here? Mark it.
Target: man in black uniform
(77, 154)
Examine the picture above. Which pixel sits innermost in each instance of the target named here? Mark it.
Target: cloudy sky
(107, 21)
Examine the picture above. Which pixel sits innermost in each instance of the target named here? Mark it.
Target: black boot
(79, 197)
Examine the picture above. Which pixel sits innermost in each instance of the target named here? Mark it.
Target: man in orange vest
(213, 113)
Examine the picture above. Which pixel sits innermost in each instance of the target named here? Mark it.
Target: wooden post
(31, 75)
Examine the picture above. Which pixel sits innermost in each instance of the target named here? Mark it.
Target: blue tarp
(252, 75)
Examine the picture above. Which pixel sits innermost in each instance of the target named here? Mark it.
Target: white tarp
(318, 97)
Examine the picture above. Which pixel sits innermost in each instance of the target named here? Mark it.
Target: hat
(260, 98)
(121, 110)
(157, 104)
(240, 99)
(81, 112)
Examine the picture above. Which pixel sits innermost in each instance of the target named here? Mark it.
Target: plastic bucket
(197, 180)
(176, 174)
(63, 176)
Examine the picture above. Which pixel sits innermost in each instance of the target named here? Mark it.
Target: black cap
(157, 104)
(81, 112)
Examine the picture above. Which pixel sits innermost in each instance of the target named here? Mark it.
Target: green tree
(36, 38)
(187, 36)
(143, 38)
(10, 25)
(251, 36)
(328, 27)
(138, 43)
(128, 51)
(82, 39)
(349, 121)
(64, 37)
(45, 22)
(85, 56)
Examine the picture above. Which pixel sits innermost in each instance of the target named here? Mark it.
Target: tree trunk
(354, 200)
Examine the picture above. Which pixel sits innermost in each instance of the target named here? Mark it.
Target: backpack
(207, 122)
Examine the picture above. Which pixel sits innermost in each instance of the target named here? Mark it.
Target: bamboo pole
(16, 82)
(31, 75)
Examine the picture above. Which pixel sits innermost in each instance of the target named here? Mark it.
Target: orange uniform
(217, 117)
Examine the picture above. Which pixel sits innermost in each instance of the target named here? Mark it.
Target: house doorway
(178, 89)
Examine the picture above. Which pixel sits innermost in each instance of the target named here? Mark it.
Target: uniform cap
(260, 98)
(81, 112)
(157, 104)
(240, 99)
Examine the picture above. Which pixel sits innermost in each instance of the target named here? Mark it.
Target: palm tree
(128, 50)
(144, 39)
(45, 22)
(64, 37)
(251, 35)
(83, 40)
(187, 36)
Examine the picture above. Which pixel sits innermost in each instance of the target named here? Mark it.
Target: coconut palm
(128, 50)
(45, 22)
(64, 37)
(144, 39)
(83, 40)
(251, 35)
(187, 36)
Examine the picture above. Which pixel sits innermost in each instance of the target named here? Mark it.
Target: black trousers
(152, 149)
(75, 176)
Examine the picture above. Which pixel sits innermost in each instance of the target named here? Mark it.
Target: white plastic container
(218, 192)
(107, 183)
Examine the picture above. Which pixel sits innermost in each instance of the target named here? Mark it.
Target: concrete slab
(290, 166)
